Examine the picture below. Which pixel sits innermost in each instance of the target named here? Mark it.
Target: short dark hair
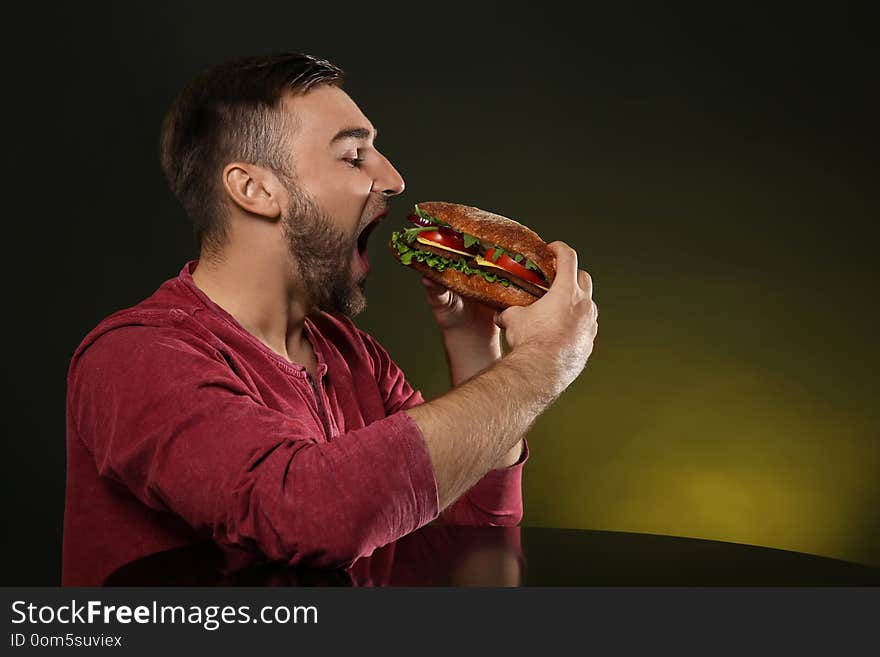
(232, 112)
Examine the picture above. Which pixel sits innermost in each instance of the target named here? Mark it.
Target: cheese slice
(487, 263)
(441, 246)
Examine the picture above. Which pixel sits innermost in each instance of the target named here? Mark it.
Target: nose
(388, 180)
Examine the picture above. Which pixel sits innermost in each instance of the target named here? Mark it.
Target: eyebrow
(353, 133)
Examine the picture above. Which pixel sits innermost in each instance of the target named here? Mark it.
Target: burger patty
(531, 288)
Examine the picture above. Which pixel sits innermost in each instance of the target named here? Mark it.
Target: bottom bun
(474, 286)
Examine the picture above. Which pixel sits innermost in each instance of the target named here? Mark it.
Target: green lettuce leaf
(439, 263)
(410, 234)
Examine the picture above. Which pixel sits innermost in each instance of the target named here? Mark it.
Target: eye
(354, 162)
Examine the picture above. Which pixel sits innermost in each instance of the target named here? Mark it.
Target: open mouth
(362, 241)
(365, 236)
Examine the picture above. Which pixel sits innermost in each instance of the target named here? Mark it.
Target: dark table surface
(440, 555)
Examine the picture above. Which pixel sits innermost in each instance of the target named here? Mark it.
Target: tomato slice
(452, 241)
(511, 265)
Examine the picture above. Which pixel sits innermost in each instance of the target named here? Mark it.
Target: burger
(476, 254)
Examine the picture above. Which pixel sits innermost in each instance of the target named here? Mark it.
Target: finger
(439, 297)
(566, 265)
(585, 281)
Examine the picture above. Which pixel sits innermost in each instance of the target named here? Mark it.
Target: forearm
(471, 429)
(466, 357)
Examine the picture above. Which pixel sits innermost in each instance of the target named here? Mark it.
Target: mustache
(381, 207)
(371, 212)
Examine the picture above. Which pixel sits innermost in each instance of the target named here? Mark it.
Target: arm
(472, 427)
(469, 355)
(472, 344)
(497, 498)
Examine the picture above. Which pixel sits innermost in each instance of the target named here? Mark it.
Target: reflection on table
(444, 555)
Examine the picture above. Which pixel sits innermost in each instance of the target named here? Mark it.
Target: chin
(360, 300)
(351, 302)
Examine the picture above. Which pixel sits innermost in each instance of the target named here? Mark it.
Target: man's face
(340, 187)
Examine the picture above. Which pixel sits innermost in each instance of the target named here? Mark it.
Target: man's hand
(456, 316)
(560, 327)
(470, 334)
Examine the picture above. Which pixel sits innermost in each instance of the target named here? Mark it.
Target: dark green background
(715, 169)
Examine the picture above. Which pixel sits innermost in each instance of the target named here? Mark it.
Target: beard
(321, 253)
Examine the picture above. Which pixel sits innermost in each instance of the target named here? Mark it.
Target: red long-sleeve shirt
(181, 425)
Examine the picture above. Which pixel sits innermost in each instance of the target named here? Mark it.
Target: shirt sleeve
(164, 414)
(494, 500)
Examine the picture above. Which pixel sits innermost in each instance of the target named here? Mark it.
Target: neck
(256, 285)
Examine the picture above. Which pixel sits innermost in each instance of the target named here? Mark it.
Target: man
(240, 403)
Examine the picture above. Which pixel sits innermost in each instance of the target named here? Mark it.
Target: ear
(254, 189)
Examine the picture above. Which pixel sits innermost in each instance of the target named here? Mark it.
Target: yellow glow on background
(710, 461)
